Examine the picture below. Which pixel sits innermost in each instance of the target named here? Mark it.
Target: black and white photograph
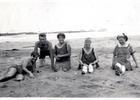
(70, 48)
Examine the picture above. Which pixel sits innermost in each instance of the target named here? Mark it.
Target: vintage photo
(70, 48)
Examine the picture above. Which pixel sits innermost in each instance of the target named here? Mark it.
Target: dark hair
(123, 36)
(42, 34)
(61, 34)
(34, 54)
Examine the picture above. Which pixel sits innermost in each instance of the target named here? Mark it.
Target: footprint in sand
(109, 93)
(119, 82)
(134, 86)
(53, 78)
(3, 86)
(136, 94)
(65, 93)
(79, 95)
(92, 86)
(28, 95)
(96, 80)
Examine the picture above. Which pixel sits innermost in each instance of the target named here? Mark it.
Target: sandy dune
(101, 83)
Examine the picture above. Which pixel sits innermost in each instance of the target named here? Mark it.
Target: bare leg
(90, 68)
(84, 69)
(41, 62)
(19, 77)
(10, 73)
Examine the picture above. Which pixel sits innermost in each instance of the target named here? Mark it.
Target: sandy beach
(102, 83)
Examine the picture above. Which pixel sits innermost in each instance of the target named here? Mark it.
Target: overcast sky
(63, 15)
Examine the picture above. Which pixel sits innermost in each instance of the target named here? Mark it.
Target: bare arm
(135, 60)
(24, 64)
(36, 47)
(114, 55)
(133, 55)
(51, 54)
(68, 54)
(80, 56)
(97, 60)
(55, 52)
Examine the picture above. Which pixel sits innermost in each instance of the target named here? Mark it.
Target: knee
(66, 69)
(84, 68)
(91, 68)
(19, 77)
(56, 68)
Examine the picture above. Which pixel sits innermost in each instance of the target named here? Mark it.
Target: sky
(63, 15)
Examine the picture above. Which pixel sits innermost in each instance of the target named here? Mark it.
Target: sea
(34, 37)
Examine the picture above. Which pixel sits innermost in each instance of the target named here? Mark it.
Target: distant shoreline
(32, 33)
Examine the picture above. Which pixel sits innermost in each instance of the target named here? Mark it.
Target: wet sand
(102, 83)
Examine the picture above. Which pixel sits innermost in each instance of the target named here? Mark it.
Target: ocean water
(34, 37)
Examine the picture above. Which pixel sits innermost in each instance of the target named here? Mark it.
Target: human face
(61, 39)
(121, 40)
(42, 39)
(87, 44)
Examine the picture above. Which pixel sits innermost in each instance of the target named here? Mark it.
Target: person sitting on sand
(45, 49)
(27, 66)
(87, 58)
(62, 54)
(121, 55)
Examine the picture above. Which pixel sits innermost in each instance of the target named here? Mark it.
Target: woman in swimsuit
(87, 58)
(121, 55)
(62, 54)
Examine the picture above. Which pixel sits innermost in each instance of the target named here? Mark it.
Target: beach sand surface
(102, 83)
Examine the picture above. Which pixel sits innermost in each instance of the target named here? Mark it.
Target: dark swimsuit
(61, 51)
(122, 55)
(63, 62)
(44, 49)
(88, 58)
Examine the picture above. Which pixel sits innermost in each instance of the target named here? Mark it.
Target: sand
(102, 83)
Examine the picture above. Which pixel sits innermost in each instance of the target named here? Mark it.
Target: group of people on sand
(60, 56)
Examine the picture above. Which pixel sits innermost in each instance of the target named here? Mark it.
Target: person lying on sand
(62, 54)
(27, 66)
(121, 55)
(45, 49)
(87, 58)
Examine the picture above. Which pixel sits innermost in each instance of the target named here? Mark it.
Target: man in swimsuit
(27, 66)
(45, 50)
